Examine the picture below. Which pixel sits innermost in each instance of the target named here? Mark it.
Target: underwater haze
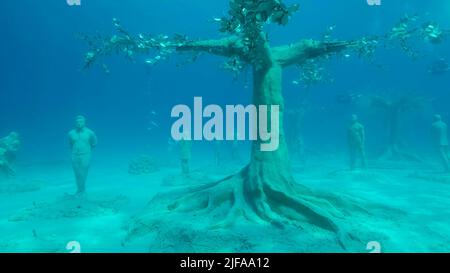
(89, 163)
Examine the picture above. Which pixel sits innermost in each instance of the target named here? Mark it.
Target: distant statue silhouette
(9, 146)
(439, 129)
(356, 143)
(82, 141)
(185, 156)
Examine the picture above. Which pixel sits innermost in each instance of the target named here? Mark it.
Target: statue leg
(443, 154)
(363, 157)
(81, 165)
(352, 154)
(6, 170)
(185, 166)
(448, 153)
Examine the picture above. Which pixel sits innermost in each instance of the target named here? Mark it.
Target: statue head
(13, 135)
(11, 141)
(80, 122)
(354, 118)
(437, 118)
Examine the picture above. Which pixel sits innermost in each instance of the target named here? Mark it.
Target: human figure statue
(439, 129)
(356, 143)
(9, 146)
(5, 168)
(82, 141)
(185, 156)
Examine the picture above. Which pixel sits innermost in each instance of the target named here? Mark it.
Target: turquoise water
(137, 197)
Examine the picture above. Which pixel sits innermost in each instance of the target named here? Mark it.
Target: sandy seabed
(39, 214)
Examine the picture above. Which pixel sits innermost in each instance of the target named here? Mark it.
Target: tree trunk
(395, 149)
(268, 169)
(268, 184)
(264, 192)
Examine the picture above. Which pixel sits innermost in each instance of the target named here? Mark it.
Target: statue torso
(81, 141)
(440, 133)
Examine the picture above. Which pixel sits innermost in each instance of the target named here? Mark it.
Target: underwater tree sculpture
(394, 109)
(265, 190)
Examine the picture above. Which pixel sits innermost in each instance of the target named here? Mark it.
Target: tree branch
(300, 52)
(130, 46)
(227, 47)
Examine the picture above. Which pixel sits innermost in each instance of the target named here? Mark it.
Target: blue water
(43, 86)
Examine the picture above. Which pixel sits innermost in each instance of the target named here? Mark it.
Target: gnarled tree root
(256, 194)
(394, 152)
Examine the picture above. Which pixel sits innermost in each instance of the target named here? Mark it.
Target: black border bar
(258, 262)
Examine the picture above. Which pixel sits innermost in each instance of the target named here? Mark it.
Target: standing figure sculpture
(185, 156)
(356, 143)
(439, 129)
(82, 141)
(9, 146)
